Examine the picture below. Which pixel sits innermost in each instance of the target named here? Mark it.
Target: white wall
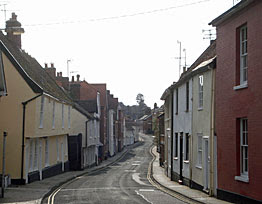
(182, 123)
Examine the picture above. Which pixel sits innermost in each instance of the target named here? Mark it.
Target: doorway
(181, 156)
(206, 164)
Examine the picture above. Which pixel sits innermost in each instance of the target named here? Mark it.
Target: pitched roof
(229, 13)
(83, 111)
(89, 105)
(208, 57)
(32, 72)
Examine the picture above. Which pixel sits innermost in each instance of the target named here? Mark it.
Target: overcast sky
(129, 44)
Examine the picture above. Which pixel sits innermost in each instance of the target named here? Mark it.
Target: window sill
(175, 158)
(242, 178)
(200, 109)
(199, 167)
(186, 161)
(241, 86)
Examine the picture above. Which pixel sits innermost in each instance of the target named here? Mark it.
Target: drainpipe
(172, 134)
(86, 132)
(191, 138)
(212, 132)
(23, 133)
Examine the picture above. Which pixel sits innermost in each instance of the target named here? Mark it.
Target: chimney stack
(14, 30)
(73, 78)
(78, 77)
(51, 70)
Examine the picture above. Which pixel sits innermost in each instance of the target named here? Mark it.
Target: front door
(206, 165)
(181, 156)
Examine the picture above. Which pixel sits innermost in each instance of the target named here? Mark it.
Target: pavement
(195, 195)
(35, 192)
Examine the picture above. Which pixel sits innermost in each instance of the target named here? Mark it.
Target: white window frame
(199, 149)
(187, 96)
(53, 121)
(200, 92)
(177, 101)
(187, 147)
(69, 117)
(31, 155)
(243, 151)
(42, 112)
(66, 146)
(244, 146)
(176, 145)
(46, 152)
(243, 55)
(57, 149)
(36, 149)
(63, 119)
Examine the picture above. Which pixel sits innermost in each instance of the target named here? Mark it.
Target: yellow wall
(11, 117)
(11, 110)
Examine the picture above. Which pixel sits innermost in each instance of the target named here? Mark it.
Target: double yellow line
(162, 188)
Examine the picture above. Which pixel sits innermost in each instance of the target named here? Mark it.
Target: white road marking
(136, 178)
(147, 190)
(143, 197)
(130, 170)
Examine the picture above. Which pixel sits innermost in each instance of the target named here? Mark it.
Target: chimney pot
(14, 16)
(78, 77)
(61, 74)
(184, 69)
(14, 30)
(52, 65)
(46, 66)
(73, 78)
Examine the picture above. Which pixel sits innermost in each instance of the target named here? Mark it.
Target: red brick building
(103, 118)
(238, 102)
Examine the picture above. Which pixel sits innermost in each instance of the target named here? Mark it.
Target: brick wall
(232, 104)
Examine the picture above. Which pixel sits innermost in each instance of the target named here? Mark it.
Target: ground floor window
(199, 149)
(244, 146)
(187, 147)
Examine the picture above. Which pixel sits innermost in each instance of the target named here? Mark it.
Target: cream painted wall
(201, 122)
(12, 111)
(11, 121)
(47, 129)
(78, 125)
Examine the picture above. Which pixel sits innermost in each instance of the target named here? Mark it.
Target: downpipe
(23, 133)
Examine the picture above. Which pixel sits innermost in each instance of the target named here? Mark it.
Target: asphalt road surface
(120, 183)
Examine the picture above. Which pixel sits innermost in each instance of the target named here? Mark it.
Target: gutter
(23, 132)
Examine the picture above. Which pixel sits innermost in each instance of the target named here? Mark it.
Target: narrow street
(122, 182)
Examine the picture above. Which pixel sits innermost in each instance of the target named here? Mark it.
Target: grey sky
(129, 44)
